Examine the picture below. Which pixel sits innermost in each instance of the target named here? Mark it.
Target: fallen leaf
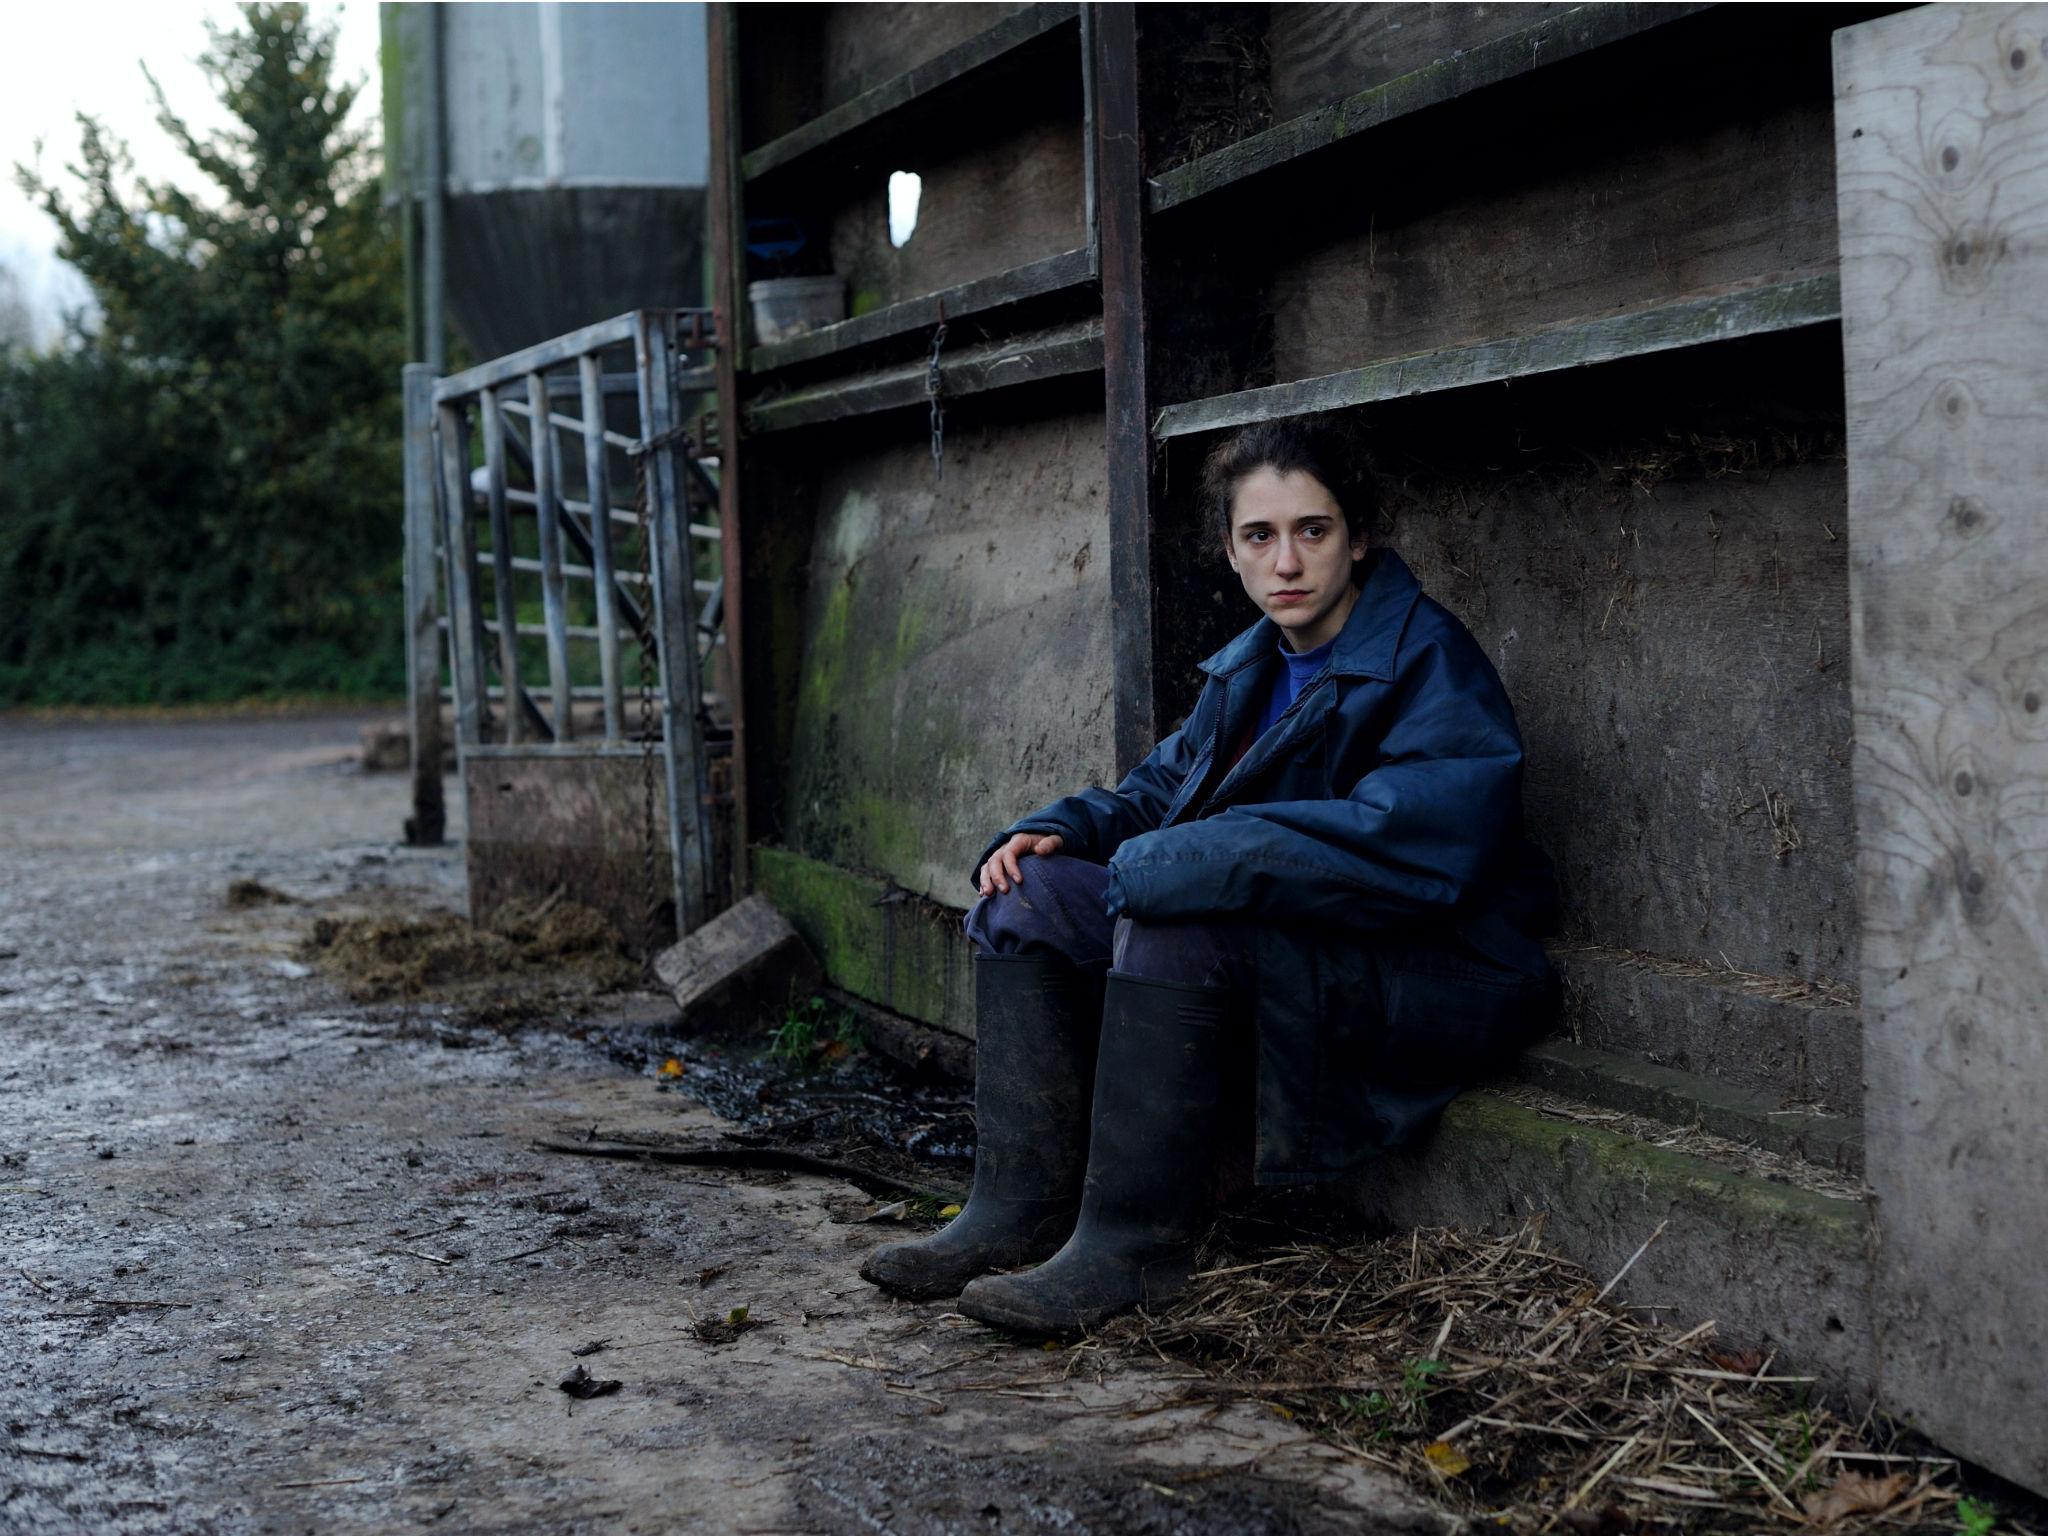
(1743, 1362)
(591, 1348)
(670, 1068)
(737, 1315)
(580, 1384)
(709, 1273)
(1854, 1494)
(950, 1210)
(1446, 1458)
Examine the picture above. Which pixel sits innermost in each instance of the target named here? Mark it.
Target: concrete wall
(955, 645)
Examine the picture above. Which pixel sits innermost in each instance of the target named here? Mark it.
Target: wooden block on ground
(746, 958)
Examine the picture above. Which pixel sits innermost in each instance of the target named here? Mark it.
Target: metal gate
(562, 550)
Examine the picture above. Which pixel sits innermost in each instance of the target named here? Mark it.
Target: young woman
(1324, 866)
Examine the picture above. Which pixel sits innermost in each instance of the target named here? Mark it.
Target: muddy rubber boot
(1036, 1020)
(1150, 1188)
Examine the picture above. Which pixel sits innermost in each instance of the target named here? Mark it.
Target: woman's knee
(1054, 904)
(1193, 954)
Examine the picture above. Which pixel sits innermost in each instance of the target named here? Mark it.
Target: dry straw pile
(1503, 1380)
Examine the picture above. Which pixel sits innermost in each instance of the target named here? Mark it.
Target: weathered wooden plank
(1325, 50)
(1118, 156)
(547, 474)
(864, 43)
(973, 370)
(1689, 322)
(1529, 37)
(1035, 279)
(955, 67)
(744, 963)
(1942, 134)
(424, 828)
(1568, 221)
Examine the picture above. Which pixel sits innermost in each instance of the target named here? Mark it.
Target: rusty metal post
(1120, 215)
(672, 606)
(547, 490)
(428, 822)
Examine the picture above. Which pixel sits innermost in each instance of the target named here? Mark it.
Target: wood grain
(1323, 53)
(1942, 137)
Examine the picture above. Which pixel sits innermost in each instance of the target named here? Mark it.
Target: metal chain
(935, 387)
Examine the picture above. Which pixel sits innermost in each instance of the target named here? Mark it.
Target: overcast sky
(86, 56)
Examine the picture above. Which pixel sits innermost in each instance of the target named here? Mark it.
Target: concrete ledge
(876, 941)
(1807, 1051)
(1774, 1266)
(1685, 1098)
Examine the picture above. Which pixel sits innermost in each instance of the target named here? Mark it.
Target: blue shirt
(1290, 680)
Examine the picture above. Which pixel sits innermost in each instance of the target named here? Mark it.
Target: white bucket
(789, 306)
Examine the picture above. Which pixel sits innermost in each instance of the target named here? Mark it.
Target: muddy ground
(274, 1260)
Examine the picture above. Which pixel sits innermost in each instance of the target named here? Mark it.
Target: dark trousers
(1428, 1015)
(1056, 909)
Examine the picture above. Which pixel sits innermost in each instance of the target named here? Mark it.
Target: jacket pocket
(1447, 1021)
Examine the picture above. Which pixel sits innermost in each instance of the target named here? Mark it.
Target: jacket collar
(1371, 636)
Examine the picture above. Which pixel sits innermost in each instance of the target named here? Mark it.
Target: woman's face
(1291, 549)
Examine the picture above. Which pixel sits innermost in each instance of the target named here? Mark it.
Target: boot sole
(913, 1290)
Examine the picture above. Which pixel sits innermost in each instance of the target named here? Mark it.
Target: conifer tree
(245, 361)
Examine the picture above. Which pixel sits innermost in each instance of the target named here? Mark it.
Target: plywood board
(1942, 132)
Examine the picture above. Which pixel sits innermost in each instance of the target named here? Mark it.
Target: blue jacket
(1374, 836)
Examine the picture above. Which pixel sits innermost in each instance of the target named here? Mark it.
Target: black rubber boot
(1150, 1189)
(1036, 1020)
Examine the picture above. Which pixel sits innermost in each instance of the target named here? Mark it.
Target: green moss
(873, 942)
(865, 301)
(1592, 1159)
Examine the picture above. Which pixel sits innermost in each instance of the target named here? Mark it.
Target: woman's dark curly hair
(1314, 445)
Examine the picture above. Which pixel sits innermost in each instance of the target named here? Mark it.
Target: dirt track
(273, 1261)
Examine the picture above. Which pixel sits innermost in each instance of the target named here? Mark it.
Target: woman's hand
(1000, 872)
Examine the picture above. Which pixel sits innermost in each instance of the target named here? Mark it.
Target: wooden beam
(1035, 279)
(883, 101)
(1941, 138)
(1686, 323)
(1549, 41)
(1048, 354)
(728, 276)
(1120, 208)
